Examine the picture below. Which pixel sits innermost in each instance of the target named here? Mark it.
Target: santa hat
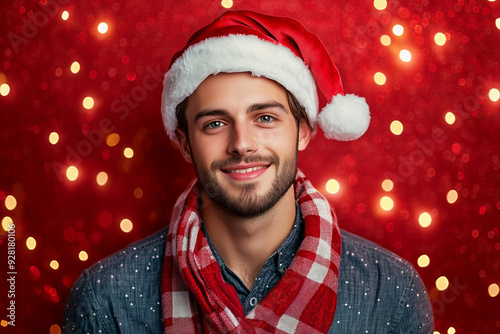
(277, 48)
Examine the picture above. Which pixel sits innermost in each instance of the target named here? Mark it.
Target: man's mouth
(243, 170)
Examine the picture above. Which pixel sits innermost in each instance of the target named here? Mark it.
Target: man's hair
(298, 112)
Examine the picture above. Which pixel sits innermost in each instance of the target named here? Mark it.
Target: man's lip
(246, 166)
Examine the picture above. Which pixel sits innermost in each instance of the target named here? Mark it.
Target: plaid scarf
(195, 298)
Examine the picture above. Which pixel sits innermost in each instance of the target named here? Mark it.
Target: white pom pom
(345, 118)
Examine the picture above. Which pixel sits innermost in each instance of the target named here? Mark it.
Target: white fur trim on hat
(233, 54)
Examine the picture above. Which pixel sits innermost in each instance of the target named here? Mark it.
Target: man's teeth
(247, 170)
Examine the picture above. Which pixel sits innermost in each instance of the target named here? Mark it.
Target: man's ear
(183, 143)
(304, 135)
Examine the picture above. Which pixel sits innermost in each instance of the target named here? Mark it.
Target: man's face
(243, 142)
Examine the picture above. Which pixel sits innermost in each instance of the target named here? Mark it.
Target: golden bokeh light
(452, 196)
(494, 94)
(493, 290)
(385, 40)
(379, 78)
(53, 138)
(55, 329)
(88, 102)
(65, 15)
(396, 127)
(227, 3)
(102, 178)
(4, 323)
(128, 152)
(102, 27)
(387, 185)
(449, 117)
(497, 23)
(138, 193)
(440, 39)
(425, 219)
(332, 186)
(83, 256)
(398, 30)
(126, 225)
(451, 330)
(4, 89)
(31, 243)
(423, 261)
(386, 203)
(54, 264)
(75, 67)
(72, 173)
(112, 139)
(10, 202)
(6, 222)
(442, 283)
(405, 55)
(380, 4)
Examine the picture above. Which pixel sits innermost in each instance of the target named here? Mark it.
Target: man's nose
(242, 140)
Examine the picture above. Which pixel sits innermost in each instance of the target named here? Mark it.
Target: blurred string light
(128, 152)
(425, 219)
(55, 329)
(385, 40)
(6, 222)
(72, 173)
(83, 256)
(379, 78)
(4, 89)
(494, 94)
(332, 186)
(88, 102)
(451, 330)
(31, 243)
(387, 185)
(53, 138)
(493, 290)
(440, 39)
(227, 3)
(449, 117)
(102, 178)
(398, 30)
(452, 196)
(65, 15)
(380, 4)
(10, 202)
(102, 27)
(75, 67)
(54, 264)
(423, 261)
(126, 225)
(497, 23)
(442, 283)
(112, 139)
(386, 203)
(138, 193)
(405, 55)
(396, 127)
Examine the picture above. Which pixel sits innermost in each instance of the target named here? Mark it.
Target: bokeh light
(88, 102)
(112, 139)
(83, 256)
(379, 78)
(10, 202)
(102, 178)
(128, 152)
(55, 329)
(65, 15)
(398, 30)
(227, 3)
(423, 261)
(387, 185)
(31, 243)
(380, 4)
(452, 196)
(54, 264)
(72, 173)
(449, 117)
(497, 23)
(440, 39)
(494, 94)
(442, 283)
(425, 219)
(6, 222)
(138, 193)
(385, 40)
(493, 290)
(126, 225)
(451, 330)
(332, 186)
(386, 203)
(4, 89)
(75, 67)
(405, 55)
(53, 138)
(396, 127)
(102, 27)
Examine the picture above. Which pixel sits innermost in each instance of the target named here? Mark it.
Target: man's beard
(248, 203)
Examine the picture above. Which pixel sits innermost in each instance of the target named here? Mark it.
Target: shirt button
(253, 301)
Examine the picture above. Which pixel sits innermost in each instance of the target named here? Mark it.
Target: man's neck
(246, 243)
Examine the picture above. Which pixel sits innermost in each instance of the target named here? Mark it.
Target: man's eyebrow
(253, 107)
(210, 112)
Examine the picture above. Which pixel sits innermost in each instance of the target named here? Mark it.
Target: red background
(430, 157)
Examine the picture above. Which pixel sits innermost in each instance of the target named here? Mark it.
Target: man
(252, 246)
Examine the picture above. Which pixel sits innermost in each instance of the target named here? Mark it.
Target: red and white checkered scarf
(195, 298)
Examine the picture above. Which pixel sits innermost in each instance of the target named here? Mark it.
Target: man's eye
(266, 118)
(214, 125)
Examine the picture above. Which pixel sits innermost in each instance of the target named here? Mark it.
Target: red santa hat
(277, 48)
